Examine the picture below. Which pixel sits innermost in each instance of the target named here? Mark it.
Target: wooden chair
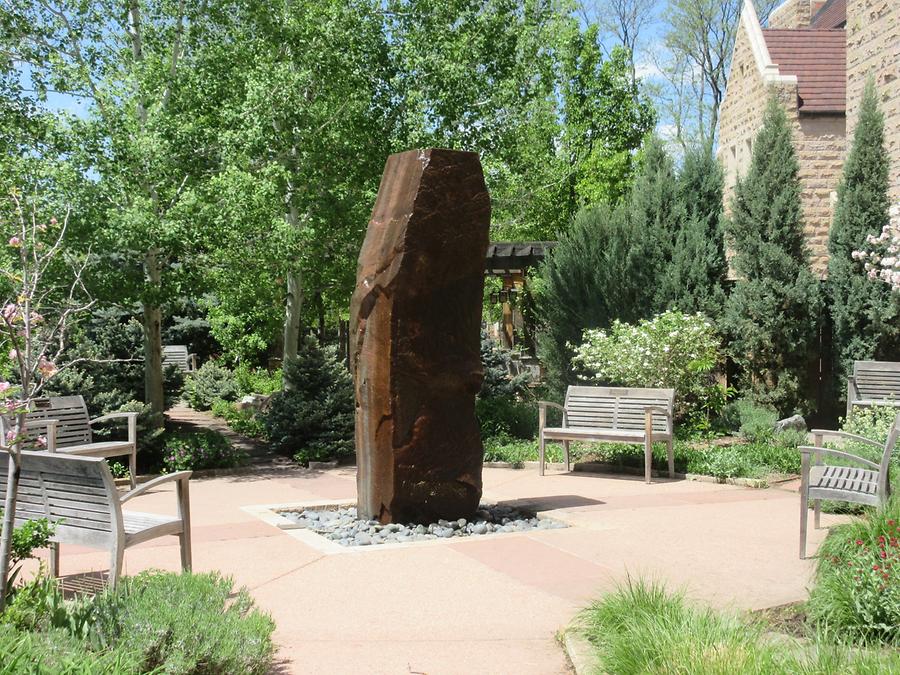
(819, 481)
(79, 495)
(614, 415)
(67, 425)
(873, 383)
(178, 356)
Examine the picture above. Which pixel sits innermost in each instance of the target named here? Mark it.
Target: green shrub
(256, 380)
(159, 622)
(671, 350)
(209, 383)
(506, 416)
(196, 450)
(497, 380)
(245, 422)
(641, 628)
(27, 537)
(856, 595)
(752, 421)
(313, 418)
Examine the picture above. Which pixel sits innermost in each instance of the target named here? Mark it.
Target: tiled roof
(819, 60)
(833, 14)
(516, 255)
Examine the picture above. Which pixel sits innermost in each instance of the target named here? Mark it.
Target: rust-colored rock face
(415, 336)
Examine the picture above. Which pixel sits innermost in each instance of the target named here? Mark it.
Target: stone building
(815, 56)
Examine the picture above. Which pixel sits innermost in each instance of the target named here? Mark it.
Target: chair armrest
(50, 425)
(542, 413)
(657, 409)
(115, 415)
(825, 433)
(811, 450)
(149, 485)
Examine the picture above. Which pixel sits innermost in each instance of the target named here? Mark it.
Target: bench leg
(54, 560)
(566, 449)
(804, 503)
(648, 459)
(186, 560)
(670, 447)
(542, 445)
(817, 511)
(116, 562)
(132, 468)
(184, 512)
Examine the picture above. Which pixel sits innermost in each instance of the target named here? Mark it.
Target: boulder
(795, 422)
(415, 339)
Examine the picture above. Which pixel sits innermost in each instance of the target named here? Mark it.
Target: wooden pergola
(509, 260)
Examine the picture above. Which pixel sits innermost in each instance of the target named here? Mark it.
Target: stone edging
(578, 650)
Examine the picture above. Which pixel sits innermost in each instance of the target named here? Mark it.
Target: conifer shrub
(866, 315)
(212, 382)
(772, 314)
(313, 418)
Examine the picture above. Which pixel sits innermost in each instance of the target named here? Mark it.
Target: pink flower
(15, 242)
(53, 221)
(9, 312)
(41, 441)
(13, 354)
(4, 387)
(10, 437)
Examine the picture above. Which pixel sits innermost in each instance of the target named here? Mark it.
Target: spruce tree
(694, 280)
(771, 316)
(866, 315)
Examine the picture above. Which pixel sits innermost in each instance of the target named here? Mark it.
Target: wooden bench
(178, 356)
(870, 485)
(615, 415)
(78, 495)
(67, 426)
(873, 383)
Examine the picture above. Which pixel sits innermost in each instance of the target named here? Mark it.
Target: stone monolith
(415, 339)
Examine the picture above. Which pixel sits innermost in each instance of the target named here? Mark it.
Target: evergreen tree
(595, 274)
(655, 213)
(771, 316)
(866, 315)
(694, 280)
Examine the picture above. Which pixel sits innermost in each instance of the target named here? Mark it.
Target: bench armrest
(825, 433)
(542, 413)
(130, 416)
(167, 478)
(812, 450)
(657, 409)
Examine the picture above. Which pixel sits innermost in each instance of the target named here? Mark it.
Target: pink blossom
(9, 312)
(41, 441)
(4, 386)
(15, 242)
(13, 354)
(10, 436)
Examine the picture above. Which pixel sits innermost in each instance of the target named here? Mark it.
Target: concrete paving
(485, 605)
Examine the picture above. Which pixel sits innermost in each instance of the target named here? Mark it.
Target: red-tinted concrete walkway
(490, 605)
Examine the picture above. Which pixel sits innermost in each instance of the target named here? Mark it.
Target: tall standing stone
(415, 339)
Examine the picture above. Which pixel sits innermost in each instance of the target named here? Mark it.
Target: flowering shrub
(671, 350)
(202, 450)
(857, 591)
(882, 259)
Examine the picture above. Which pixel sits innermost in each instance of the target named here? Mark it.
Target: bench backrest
(889, 445)
(877, 379)
(77, 493)
(74, 426)
(617, 407)
(176, 355)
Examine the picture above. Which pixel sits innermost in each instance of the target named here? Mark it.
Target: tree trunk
(293, 303)
(153, 373)
(9, 511)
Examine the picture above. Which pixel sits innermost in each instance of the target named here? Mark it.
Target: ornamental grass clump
(856, 597)
(671, 350)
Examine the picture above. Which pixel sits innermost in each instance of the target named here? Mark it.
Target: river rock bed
(341, 525)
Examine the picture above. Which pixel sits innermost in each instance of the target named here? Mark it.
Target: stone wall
(873, 47)
(790, 14)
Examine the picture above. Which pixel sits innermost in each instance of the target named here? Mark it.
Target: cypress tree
(866, 317)
(771, 316)
(694, 281)
(592, 277)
